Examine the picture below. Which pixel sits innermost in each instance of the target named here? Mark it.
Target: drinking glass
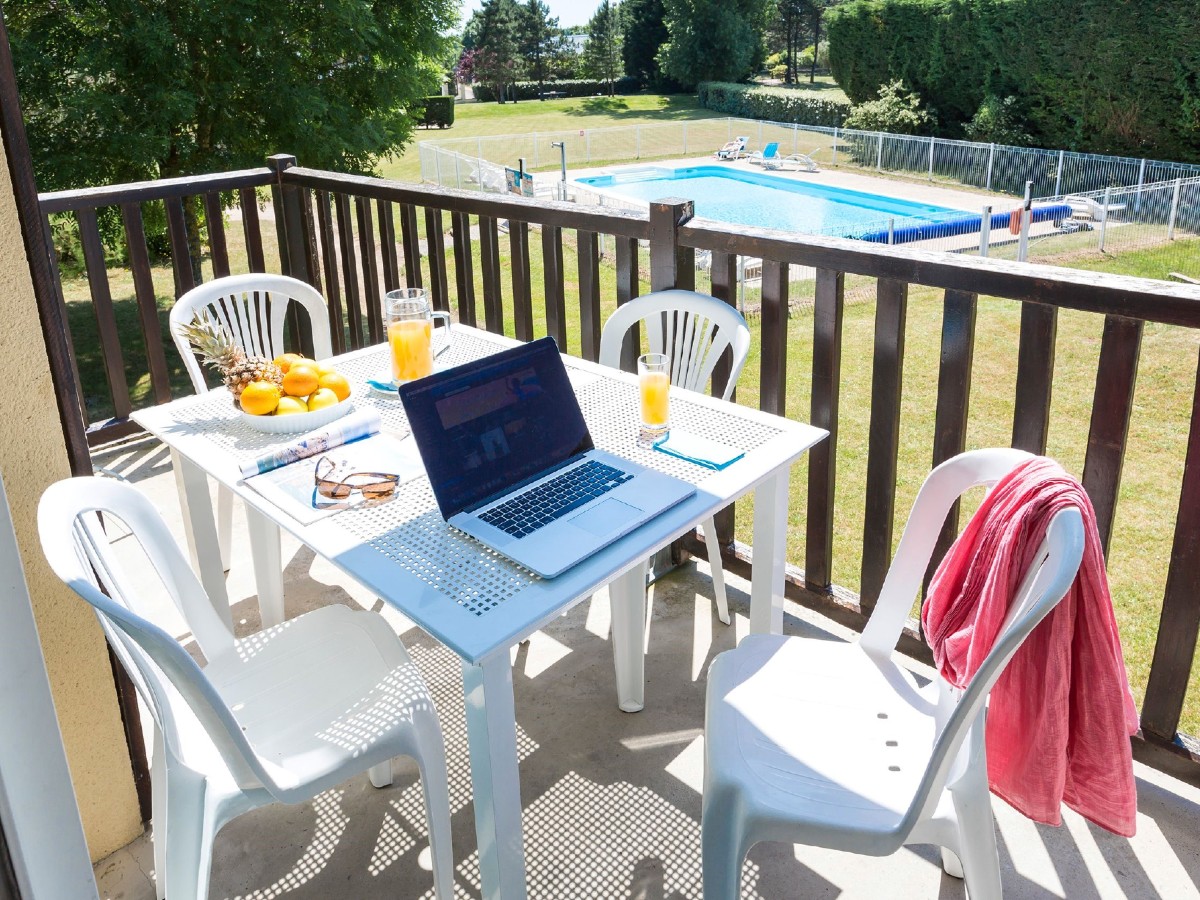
(410, 333)
(654, 379)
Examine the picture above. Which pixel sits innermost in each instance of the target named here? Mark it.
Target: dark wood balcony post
(1035, 377)
(297, 240)
(666, 216)
(1179, 623)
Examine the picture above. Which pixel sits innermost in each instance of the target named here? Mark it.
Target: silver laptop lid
(488, 426)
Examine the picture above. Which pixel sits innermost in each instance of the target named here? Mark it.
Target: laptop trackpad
(605, 517)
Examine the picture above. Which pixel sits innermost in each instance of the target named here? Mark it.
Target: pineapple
(218, 348)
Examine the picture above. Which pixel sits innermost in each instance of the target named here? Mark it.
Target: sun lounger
(797, 162)
(1091, 208)
(767, 157)
(733, 149)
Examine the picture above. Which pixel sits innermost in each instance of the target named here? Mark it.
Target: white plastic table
(474, 601)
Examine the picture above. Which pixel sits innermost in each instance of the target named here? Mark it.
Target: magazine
(293, 487)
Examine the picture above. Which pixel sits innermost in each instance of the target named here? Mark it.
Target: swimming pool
(754, 198)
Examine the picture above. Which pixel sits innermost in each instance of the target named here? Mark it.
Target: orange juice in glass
(654, 379)
(410, 333)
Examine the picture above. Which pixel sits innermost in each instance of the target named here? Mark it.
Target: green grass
(527, 116)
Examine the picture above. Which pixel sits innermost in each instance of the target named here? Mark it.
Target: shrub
(775, 104)
(896, 110)
(575, 87)
(999, 122)
(438, 111)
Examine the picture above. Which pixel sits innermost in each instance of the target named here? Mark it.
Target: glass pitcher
(410, 333)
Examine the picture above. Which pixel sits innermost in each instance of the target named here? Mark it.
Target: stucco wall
(32, 455)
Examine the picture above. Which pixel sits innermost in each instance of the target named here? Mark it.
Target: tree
(126, 90)
(540, 38)
(645, 32)
(896, 110)
(785, 33)
(602, 52)
(494, 31)
(711, 40)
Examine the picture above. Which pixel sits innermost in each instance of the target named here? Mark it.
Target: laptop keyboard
(553, 499)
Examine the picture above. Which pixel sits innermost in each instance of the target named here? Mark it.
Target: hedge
(771, 103)
(1101, 76)
(579, 87)
(439, 111)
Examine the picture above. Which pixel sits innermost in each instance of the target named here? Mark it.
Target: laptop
(512, 464)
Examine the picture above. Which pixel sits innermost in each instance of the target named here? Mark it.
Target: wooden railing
(355, 238)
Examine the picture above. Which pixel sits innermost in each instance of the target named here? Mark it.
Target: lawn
(1158, 431)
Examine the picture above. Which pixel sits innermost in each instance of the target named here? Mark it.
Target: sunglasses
(372, 485)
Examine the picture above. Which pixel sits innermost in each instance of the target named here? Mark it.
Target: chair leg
(722, 852)
(381, 774)
(158, 813)
(224, 524)
(190, 836)
(977, 848)
(431, 761)
(709, 527)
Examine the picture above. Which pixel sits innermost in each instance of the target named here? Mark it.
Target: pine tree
(602, 52)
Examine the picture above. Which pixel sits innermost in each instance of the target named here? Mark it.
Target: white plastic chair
(253, 309)
(279, 716)
(835, 745)
(694, 330)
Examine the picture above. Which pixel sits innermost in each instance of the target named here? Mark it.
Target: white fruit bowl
(297, 423)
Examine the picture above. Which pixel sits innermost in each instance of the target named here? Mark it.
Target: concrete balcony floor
(611, 800)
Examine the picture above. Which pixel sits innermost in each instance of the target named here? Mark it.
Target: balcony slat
(147, 301)
(341, 205)
(628, 287)
(489, 261)
(774, 336)
(435, 240)
(387, 245)
(464, 276)
(887, 379)
(1179, 623)
(828, 309)
(552, 278)
(589, 293)
(333, 293)
(518, 242)
(214, 217)
(953, 399)
(248, 198)
(1035, 377)
(102, 306)
(1112, 404)
(411, 242)
(370, 270)
(181, 256)
(723, 275)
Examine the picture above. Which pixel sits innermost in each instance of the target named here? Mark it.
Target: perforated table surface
(476, 602)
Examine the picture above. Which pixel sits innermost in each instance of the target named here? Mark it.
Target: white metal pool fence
(992, 167)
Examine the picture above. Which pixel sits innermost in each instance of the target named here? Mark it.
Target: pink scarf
(1060, 716)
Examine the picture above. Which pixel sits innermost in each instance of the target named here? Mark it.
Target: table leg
(495, 779)
(201, 531)
(770, 533)
(268, 566)
(627, 594)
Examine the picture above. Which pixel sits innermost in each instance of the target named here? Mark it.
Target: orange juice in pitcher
(410, 333)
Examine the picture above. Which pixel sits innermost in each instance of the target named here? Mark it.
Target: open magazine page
(293, 487)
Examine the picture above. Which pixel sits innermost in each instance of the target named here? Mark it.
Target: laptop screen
(487, 426)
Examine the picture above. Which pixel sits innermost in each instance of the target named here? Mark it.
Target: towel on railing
(1060, 716)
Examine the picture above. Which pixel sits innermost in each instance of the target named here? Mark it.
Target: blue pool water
(753, 198)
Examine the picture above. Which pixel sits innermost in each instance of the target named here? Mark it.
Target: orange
(337, 383)
(300, 380)
(286, 360)
(259, 398)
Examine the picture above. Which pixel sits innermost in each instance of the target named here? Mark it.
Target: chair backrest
(770, 150)
(252, 308)
(692, 329)
(180, 697)
(1042, 587)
